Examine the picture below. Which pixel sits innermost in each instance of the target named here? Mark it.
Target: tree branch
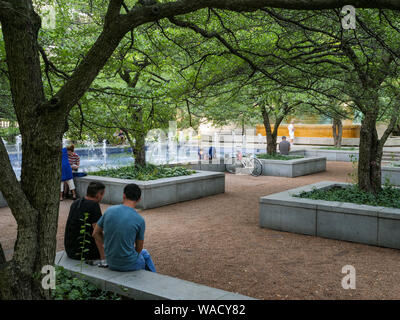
(118, 25)
(389, 129)
(12, 191)
(113, 11)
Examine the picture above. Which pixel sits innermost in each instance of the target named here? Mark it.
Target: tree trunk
(271, 144)
(34, 200)
(139, 150)
(370, 155)
(337, 130)
(271, 136)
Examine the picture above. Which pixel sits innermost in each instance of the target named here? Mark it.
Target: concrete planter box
(330, 155)
(391, 173)
(216, 166)
(371, 225)
(293, 168)
(161, 192)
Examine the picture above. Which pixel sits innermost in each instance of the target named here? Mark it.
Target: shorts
(71, 185)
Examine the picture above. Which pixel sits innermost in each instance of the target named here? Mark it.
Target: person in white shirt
(291, 132)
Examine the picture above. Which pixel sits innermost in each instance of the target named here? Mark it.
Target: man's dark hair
(283, 137)
(94, 188)
(132, 192)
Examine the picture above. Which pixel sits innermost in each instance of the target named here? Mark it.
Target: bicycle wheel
(232, 166)
(257, 167)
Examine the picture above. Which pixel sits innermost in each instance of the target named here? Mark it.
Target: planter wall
(330, 155)
(329, 219)
(161, 192)
(391, 173)
(206, 165)
(293, 168)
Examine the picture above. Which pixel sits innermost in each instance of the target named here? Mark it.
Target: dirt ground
(216, 241)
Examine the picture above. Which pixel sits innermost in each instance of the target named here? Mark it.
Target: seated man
(284, 146)
(124, 234)
(73, 238)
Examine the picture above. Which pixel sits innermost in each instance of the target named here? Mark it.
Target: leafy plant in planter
(69, 287)
(84, 241)
(389, 196)
(277, 157)
(144, 173)
(339, 148)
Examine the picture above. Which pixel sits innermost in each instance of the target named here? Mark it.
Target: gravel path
(216, 241)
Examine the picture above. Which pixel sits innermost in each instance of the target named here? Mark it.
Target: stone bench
(144, 285)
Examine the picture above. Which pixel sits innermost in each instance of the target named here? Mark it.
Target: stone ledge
(199, 175)
(144, 285)
(330, 155)
(336, 220)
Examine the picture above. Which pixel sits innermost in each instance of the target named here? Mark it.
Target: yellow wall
(314, 130)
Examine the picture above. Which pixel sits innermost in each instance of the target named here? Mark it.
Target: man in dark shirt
(284, 146)
(73, 238)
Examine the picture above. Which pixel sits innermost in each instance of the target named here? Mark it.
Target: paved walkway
(216, 241)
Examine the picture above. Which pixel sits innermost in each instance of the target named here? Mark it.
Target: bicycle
(248, 164)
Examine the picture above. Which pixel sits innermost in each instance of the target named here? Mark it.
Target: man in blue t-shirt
(121, 229)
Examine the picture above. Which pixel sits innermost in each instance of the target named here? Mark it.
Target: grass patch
(388, 197)
(341, 148)
(146, 173)
(69, 287)
(277, 156)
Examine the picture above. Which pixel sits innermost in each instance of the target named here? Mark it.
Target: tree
(362, 65)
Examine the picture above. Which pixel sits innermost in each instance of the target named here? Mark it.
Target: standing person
(212, 152)
(73, 158)
(200, 153)
(74, 162)
(66, 175)
(73, 237)
(284, 146)
(121, 229)
(291, 132)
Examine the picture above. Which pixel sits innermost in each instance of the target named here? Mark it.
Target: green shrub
(69, 287)
(336, 148)
(148, 172)
(388, 197)
(277, 156)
